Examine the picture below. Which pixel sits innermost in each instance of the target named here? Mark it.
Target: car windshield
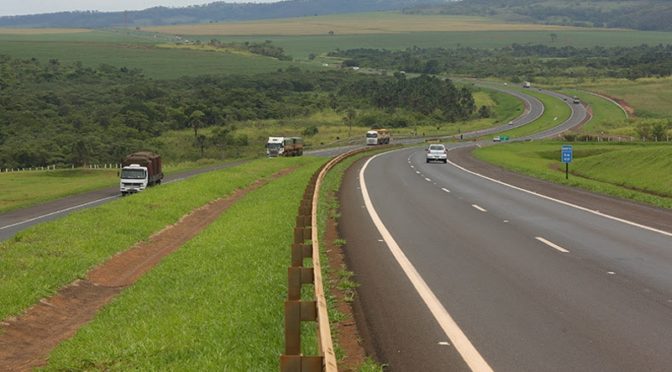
(436, 148)
(133, 174)
(274, 145)
(372, 135)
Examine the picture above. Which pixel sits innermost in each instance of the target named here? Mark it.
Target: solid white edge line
(597, 213)
(552, 245)
(57, 212)
(479, 208)
(466, 349)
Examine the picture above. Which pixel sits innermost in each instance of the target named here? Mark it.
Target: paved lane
(534, 284)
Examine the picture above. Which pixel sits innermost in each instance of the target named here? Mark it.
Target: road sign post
(566, 157)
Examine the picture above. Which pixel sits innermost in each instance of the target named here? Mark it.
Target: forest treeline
(217, 11)
(640, 15)
(521, 62)
(55, 113)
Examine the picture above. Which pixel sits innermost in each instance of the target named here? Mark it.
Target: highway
(461, 272)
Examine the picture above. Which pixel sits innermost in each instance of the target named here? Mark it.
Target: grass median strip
(214, 304)
(42, 259)
(555, 112)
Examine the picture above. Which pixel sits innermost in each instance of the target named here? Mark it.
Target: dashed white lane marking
(471, 356)
(380, 240)
(57, 212)
(506, 221)
(427, 179)
(479, 208)
(552, 245)
(445, 189)
(444, 343)
(412, 166)
(598, 213)
(611, 273)
(417, 172)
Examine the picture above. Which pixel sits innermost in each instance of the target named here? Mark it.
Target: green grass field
(22, 189)
(43, 258)
(215, 304)
(136, 49)
(642, 172)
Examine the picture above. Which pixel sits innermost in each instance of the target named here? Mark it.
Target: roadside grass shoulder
(640, 172)
(328, 208)
(23, 189)
(608, 117)
(555, 112)
(40, 260)
(28, 188)
(215, 304)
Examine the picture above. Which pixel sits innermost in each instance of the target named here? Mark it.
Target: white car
(437, 153)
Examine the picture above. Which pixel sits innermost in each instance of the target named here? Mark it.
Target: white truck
(378, 137)
(139, 171)
(284, 146)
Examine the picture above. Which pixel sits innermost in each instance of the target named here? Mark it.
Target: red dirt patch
(26, 341)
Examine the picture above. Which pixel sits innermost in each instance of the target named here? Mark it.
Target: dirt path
(26, 341)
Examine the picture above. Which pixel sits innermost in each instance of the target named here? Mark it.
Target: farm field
(310, 35)
(641, 172)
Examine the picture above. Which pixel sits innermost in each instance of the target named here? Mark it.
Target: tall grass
(215, 304)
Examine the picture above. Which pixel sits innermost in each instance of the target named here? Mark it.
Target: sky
(21, 7)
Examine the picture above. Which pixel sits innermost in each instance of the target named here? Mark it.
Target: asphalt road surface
(531, 283)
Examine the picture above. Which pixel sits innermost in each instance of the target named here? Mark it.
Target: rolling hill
(209, 13)
(640, 15)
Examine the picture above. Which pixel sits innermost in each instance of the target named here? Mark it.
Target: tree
(201, 141)
(196, 120)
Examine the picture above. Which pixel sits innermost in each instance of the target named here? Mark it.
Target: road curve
(533, 284)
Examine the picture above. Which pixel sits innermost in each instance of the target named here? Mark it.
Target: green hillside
(641, 15)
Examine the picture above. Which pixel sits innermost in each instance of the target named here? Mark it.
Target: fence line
(306, 245)
(55, 167)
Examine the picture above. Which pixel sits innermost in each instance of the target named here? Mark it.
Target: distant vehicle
(576, 100)
(437, 153)
(284, 146)
(496, 139)
(139, 171)
(378, 137)
(527, 84)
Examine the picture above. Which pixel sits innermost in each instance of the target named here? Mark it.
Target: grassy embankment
(608, 117)
(650, 99)
(42, 259)
(27, 188)
(214, 304)
(641, 172)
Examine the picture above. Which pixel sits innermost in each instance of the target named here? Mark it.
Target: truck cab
(275, 146)
(134, 178)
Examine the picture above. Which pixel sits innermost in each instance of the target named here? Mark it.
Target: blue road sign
(567, 153)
